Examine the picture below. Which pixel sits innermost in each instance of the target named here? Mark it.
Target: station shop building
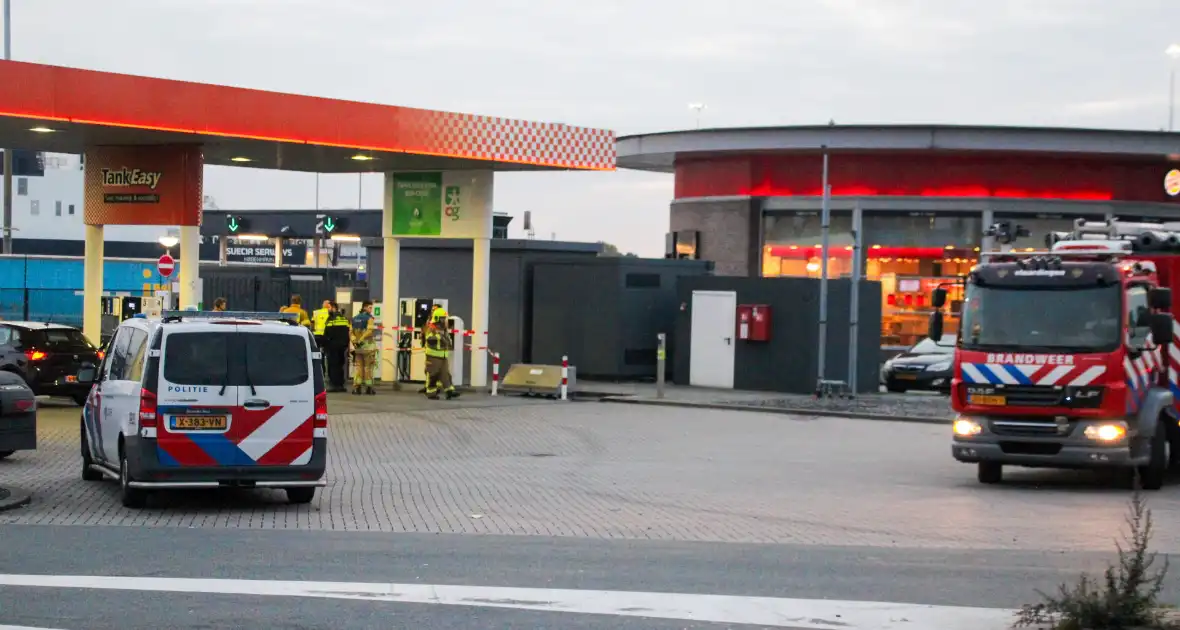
(749, 199)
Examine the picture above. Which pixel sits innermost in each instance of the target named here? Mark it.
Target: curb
(824, 413)
(17, 498)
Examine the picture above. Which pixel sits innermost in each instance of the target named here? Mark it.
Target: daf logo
(1077, 273)
(1085, 393)
(1002, 272)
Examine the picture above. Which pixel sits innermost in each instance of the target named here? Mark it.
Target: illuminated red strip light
(942, 191)
(840, 251)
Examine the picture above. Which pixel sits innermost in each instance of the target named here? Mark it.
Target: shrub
(1124, 598)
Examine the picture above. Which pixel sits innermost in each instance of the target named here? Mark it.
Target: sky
(632, 66)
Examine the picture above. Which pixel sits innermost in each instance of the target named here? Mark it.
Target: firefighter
(336, 341)
(438, 343)
(364, 349)
(297, 308)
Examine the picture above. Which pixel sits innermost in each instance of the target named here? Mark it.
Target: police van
(208, 400)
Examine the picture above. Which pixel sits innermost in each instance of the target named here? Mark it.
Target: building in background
(750, 199)
(47, 220)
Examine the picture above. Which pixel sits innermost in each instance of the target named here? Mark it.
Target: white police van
(208, 400)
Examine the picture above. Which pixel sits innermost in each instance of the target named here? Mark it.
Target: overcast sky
(632, 66)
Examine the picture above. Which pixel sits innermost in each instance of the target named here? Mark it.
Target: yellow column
(190, 263)
(92, 285)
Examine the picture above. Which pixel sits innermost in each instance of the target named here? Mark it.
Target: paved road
(952, 578)
(586, 496)
(609, 471)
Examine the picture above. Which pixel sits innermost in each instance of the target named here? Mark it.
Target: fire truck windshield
(1067, 319)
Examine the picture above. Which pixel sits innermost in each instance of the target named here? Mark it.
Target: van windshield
(234, 358)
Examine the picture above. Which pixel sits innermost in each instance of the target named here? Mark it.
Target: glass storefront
(909, 253)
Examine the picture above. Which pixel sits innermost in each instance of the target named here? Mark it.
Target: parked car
(925, 366)
(18, 415)
(208, 400)
(53, 359)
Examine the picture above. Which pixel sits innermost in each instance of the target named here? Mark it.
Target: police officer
(319, 318)
(364, 349)
(336, 341)
(438, 343)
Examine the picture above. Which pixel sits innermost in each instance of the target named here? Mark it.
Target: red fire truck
(1065, 356)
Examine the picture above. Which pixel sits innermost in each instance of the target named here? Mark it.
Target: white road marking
(23, 628)
(766, 611)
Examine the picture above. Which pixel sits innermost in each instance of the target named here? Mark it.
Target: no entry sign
(165, 265)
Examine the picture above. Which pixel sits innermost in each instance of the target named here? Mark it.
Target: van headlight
(939, 367)
(1107, 432)
(965, 427)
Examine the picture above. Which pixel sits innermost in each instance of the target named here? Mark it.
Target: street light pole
(698, 107)
(1173, 52)
(7, 152)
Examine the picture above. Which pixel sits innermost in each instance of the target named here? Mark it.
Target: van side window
(5, 335)
(136, 353)
(118, 357)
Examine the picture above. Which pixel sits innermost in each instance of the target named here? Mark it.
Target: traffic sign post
(165, 265)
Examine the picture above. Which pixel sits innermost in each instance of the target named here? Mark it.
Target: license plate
(200, 423)
(907, 377)
(71, 379)
(995, 401)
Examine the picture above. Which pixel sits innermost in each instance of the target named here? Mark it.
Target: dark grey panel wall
(445, 272)
(787, 363)
(729, 232)
(605, 313)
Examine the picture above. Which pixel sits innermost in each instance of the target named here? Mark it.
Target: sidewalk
(12, 498)
(909, 407)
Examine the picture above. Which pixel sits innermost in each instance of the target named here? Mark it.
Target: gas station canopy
(66, 110)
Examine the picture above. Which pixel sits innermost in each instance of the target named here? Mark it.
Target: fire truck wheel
(1151, 476)
(990, 472)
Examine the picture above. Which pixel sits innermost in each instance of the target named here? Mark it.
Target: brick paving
(610, 471)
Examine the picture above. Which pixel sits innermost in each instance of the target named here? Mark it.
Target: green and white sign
(447, 204)
(417, 204)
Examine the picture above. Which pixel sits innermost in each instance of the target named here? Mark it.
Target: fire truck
(1064, 356)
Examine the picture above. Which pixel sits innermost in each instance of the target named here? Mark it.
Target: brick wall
(729, 232)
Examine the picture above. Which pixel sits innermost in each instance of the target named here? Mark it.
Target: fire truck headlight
(964, 427)
(1106, 432)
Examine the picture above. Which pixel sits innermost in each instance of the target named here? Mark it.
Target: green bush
(1124, 598)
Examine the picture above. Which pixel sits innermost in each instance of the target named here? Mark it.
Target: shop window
(57, 208)
(71, 209)
(22, 186)
(793, 244)
(35, 207)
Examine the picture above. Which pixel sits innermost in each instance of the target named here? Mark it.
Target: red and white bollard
(495, 372)
(565, 377)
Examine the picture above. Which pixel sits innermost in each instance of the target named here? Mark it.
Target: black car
(53, 359)
(927, 366)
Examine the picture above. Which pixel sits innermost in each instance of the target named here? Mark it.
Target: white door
(714, 315)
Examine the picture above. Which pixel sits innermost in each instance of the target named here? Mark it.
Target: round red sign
(165, 265)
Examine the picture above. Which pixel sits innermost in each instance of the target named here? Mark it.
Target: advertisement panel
(440, 204)
(143, 185)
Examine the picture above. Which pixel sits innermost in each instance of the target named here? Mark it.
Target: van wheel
(300, 496)
(1151, 476)
(88, 473)
(990, 472)
(132, 497)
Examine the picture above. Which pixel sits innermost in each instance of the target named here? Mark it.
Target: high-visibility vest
(319, 318)
(434, 345)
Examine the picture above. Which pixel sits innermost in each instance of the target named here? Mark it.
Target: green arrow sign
(232, 224)
(329, 224)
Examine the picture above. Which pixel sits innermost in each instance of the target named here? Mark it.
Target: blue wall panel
(49, 285)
